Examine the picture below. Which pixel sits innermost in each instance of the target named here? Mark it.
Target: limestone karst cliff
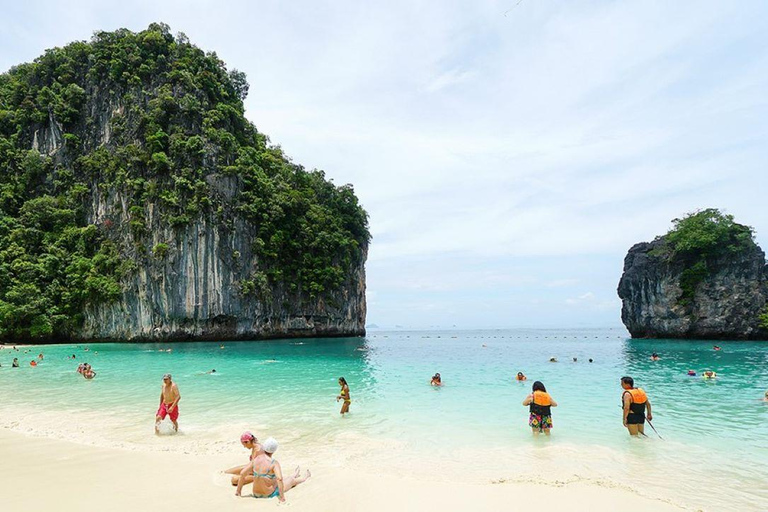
(711, 282)
(138, 203)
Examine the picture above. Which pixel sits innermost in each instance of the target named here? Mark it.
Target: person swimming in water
(249, 442)
(436, 380)
(691, 373)
(590, 360)
(709, 374)
(540, 407)
(268, 480)
(552, 359)
(521, 376)
(636, 407)
(716, 347)
(15, 363)
(344, 395)
(655, 357)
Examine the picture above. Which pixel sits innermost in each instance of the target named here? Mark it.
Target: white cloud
(561, 283)
(447, 79)
(581, 299)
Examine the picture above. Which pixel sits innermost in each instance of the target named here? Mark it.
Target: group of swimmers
(707, 374)
(635, 403)
(85, 370)
(39, 359)
(32, 363)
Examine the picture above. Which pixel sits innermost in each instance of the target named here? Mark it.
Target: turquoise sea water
(714, 454)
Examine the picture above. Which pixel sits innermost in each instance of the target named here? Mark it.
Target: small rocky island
(138, 203)
(705, 279)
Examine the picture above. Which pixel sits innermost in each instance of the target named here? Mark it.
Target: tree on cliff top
(708, 232)
(174, 117)
(697, 238)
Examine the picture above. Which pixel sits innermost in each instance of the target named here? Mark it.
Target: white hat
(269, 445)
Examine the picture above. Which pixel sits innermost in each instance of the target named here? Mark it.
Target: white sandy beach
(39, 474)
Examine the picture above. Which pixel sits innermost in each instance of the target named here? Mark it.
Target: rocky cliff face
(725, 305)
(169, 216)
(194, 291)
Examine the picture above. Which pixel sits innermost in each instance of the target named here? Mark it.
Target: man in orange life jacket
(636, 407)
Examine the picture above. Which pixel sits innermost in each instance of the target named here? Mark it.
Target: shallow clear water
(715, 433)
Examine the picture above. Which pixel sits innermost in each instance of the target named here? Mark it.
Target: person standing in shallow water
(169, 403)
(636, 407)
(540, 406)
(344, 395)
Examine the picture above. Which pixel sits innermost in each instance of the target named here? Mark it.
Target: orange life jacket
(541, 403)
(637, 400)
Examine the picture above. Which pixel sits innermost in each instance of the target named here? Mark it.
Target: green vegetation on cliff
(697, 239)
(155, 117)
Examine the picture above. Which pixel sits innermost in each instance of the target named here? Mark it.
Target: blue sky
(509, 153)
